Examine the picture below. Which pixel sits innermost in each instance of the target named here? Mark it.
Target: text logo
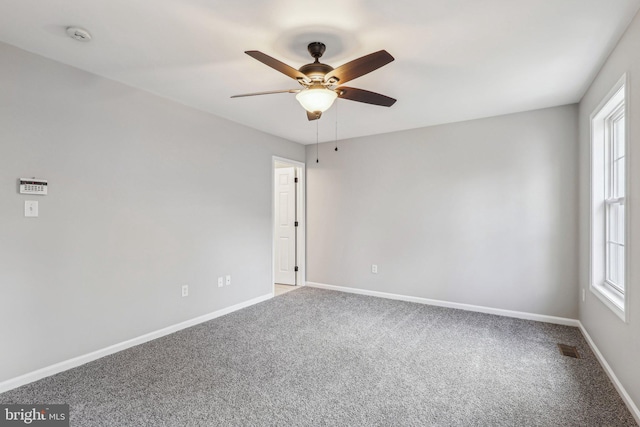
(34, 415)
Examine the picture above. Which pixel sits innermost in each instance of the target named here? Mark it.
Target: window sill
(611, 299)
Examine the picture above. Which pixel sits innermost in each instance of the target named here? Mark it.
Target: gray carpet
(322, 358)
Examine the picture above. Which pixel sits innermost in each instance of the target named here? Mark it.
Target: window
(608, 188)
(614, 202)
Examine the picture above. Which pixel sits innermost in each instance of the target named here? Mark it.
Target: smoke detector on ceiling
(79, 34)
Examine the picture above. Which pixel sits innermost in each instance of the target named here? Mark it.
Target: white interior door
(285, 216)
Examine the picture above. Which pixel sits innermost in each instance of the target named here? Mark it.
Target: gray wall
(145, 195)
(481, 212)
(618, 342)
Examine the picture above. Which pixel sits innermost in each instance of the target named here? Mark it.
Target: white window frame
(612, 106)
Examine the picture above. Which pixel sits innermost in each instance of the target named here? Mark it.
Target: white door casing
(285, 216)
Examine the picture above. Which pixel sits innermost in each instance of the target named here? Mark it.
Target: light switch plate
(30, 208)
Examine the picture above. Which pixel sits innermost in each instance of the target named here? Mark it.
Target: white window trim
(608, 295)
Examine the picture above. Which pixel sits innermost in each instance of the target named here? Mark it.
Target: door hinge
(295, 224)
(295, 268)
(295, 179)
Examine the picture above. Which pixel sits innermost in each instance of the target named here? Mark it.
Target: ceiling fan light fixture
(316, 99)
(320, 81)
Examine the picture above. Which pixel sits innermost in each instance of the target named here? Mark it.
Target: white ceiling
(455, 59)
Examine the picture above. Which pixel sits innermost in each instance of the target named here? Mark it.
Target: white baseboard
(86, 358)
(633, 408)
(489, 310)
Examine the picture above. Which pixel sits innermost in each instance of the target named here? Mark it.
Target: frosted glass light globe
(316, 99)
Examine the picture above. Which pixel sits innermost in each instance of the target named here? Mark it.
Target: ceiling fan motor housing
(316, 70)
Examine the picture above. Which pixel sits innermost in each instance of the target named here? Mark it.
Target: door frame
(300, 215)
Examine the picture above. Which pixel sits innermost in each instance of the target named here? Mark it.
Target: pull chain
(317, 160)
(336, 125)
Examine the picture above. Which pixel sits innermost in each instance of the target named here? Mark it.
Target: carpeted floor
(323, 358)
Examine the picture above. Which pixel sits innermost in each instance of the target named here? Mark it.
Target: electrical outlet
(220, 281)
(185, 290)
(228, 280)
(374, 268)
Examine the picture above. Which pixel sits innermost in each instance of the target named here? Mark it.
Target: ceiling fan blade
(361, 95)
(313, 116)
(276, 65)
(268, 92)
(360, 67)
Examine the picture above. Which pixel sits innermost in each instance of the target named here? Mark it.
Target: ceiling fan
(320, 82)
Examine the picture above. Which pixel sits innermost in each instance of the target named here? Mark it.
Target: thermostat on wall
(33, 186)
